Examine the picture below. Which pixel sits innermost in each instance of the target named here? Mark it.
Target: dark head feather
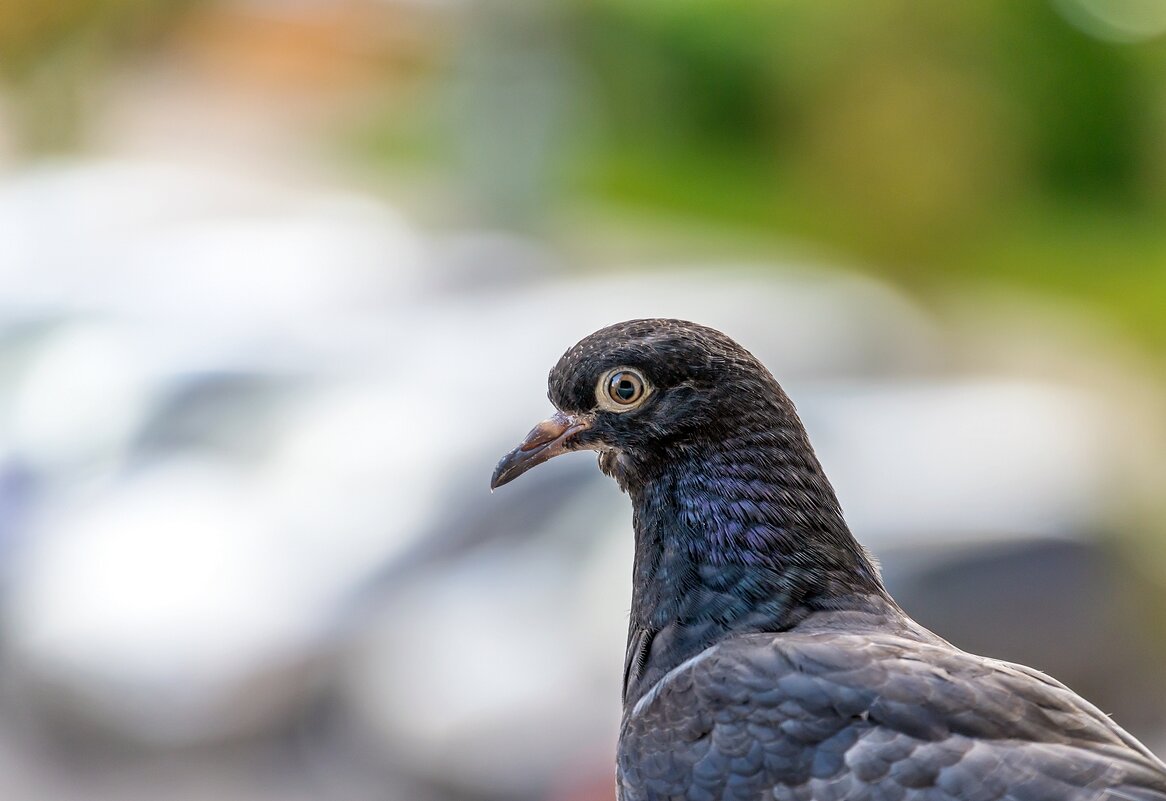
(707, 388)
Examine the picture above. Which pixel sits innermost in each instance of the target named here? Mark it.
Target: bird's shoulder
(830, 713)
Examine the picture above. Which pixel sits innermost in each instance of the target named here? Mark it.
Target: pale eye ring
(621, 389)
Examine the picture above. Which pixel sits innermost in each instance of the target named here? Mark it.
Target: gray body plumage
(765, 658)
(866, 709)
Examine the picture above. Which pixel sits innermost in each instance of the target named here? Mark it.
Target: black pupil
(625, 389)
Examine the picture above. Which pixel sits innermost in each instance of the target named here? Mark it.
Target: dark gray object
(765, 657)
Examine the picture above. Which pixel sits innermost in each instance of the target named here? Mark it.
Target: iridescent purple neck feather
(737, 532)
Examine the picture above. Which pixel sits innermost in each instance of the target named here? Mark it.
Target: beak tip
(546, 440)
(499, 477)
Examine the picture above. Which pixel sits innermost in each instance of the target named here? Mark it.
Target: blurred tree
(935, 142)
(52, 55)
(891, 126)
(1083, 98)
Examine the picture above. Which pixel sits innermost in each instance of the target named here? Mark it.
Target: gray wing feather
(848, 717)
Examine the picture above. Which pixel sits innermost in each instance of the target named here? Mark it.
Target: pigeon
(765, 658)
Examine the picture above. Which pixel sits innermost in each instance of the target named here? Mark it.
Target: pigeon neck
(742, 536)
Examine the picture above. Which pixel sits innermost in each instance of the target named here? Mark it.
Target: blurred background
(280, 280)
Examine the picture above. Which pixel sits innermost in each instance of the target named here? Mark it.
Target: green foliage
(938, 143)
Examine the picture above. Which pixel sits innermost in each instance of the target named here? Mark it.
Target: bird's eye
(622, 389)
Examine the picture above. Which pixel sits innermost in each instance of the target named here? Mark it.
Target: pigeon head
(737, 528)
(645, 393)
